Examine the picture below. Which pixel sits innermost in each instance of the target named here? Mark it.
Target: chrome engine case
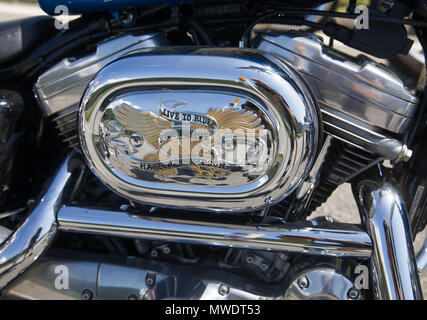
(361, 103)
(205, 129)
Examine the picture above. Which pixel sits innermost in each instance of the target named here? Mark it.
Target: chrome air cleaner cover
(206, 129)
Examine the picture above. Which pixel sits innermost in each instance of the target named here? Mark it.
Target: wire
(344, 15)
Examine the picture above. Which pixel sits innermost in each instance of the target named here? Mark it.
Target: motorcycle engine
(218, 129)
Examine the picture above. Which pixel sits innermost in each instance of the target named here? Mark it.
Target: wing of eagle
(244, 120)
(146, 123)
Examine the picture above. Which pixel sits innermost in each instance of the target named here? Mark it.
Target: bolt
(264, 266)
(404, 155)
(303, 282)
(223, 290)
(166, 250)
(133, 297)
(87, 294)
(407, 155)
(353, 293)
(154, 253)
(250, 259)
(150, 279)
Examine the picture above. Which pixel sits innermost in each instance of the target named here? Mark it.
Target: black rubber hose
(200, 31)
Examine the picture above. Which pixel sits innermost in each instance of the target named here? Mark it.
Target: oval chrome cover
(206, 129)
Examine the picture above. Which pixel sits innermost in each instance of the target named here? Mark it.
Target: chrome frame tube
(393, 265)
(310, 238)
(394, 270)
(25, 245)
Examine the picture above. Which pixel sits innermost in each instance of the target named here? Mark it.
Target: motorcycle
(176, 149)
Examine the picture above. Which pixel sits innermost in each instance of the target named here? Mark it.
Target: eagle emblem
(172, 138)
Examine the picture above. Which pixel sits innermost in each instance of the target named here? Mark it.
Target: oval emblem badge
(235, 137)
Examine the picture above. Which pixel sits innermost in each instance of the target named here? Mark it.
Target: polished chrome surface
(214, 290)
(422, 258)
(339, 240)
(202, 129)
(55, 279)
(25, 245)
(362, 89)
(320, 284)
(132, 282)
(357, 99)
(393, 262)
(97, 277)
(62, 86)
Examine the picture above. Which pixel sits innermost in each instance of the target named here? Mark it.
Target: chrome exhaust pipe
(30, 240)
(337, 240)
(394, 271)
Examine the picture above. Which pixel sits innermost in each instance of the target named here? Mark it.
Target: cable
(286, 20)
(344, 15)
(332, 14)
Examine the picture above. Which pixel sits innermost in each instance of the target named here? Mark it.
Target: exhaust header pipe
(30, 240)
(394, 269)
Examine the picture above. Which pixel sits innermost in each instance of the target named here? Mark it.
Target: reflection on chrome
(393, 261)
(25, 245)
(340, 240)
(224, 130)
